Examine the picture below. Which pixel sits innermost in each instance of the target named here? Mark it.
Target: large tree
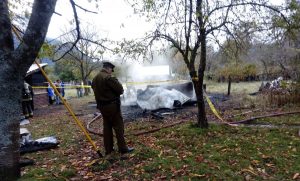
(189, 25)
(290, 44)
(15, 62)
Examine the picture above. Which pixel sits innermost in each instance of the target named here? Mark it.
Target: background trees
(191, 25)
(290, 40)
(84, 58)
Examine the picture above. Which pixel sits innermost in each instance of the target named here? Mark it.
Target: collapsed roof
(34, 68)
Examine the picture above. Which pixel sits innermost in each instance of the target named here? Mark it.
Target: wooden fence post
(229, 85)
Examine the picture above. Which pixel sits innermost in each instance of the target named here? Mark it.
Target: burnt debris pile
(158, 101)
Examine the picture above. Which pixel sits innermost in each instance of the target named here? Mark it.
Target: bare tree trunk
(82, 76)
(265, 77)
(10, 107)
(229, 85)
(202, 120)
(86, 89)
(201, 116)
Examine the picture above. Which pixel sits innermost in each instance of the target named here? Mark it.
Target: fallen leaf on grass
(296, 175)
(232, 162)
(161, 152)
(58, 176)
(90, 174)
(270, 165)
(250, 171)
(162, 178)
(196, 175)
(105, 177)
(199, 158)
(177, 173)
(255, 162)
(247, 177)
(63, 167)
(265, 156)
(92, 162)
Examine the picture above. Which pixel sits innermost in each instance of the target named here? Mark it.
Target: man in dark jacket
(107, 90)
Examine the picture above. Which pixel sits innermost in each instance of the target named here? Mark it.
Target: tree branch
(97, 43)
(220, 25)
(249, 3)
(168, 8)
(77, 31)
(35, 33)
(84, 9)
(6, 37)
(188, 33)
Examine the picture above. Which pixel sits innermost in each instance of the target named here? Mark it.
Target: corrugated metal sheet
(34, 68)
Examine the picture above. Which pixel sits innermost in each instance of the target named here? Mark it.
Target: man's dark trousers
(112, 119)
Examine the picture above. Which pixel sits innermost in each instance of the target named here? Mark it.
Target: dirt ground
(85, 109)
(231, 108)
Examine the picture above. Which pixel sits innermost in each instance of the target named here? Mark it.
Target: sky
(114, 19)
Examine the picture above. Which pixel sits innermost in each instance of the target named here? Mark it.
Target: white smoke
(139, 75)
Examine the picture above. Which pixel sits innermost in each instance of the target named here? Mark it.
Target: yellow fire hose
(65, 103)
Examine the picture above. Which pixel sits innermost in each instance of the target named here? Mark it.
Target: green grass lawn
(221, 152)
(291, 120)
(183, 152)
(212, 87)
(236, 88)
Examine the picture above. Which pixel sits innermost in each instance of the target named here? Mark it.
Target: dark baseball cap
(108, 65)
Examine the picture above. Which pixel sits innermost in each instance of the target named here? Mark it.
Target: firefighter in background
(26, 101)
(78, 89)
(62, 84)
(51, 94)
(32, 96)
(58, 87)
(107, 90)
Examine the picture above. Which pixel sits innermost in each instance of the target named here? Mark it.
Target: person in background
(26, 101)
(58, 87)
(32, 95)
(50, 92)
(78, 90)
(81, 89)
(107, 90)
(62, 89)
